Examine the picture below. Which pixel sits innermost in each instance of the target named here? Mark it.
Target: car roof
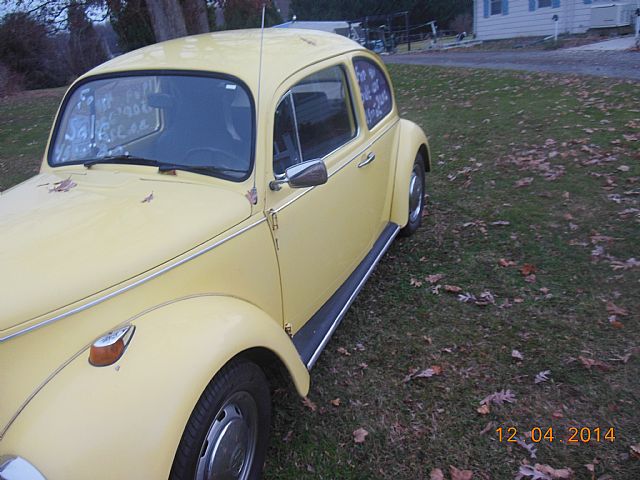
(237, 53)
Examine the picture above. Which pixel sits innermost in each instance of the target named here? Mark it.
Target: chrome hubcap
(228, 449)
(416, 195)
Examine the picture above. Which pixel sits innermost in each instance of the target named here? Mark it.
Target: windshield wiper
(127, 159)
(167, 167)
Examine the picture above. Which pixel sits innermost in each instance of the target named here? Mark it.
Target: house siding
(574, 17)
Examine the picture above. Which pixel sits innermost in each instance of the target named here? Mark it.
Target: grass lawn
(524, 264)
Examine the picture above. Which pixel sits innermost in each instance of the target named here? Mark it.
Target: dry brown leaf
(634, 451)
(484, 409)
(415, 282)
(528, 269)
(562, 473)
(613, 309)
(436, 474)
(503, 262)
(309, 404)
(359, 435)
(344, 351)
(499, 397)
(148, 198)
(452, 289)
(434, 278)
(517, 355)
(592, 362)
(63, 186)
(524, 182)
(426, 373)
(335, 402)
(457, 474)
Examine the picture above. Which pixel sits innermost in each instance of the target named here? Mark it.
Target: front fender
(411, 140)
(126, 420)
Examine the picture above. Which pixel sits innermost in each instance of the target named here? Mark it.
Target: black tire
(233, 390)
(415, 213)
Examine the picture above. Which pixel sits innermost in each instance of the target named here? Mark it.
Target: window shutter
(555, 4)
(486, 8)
(505, 7)
(532, 5)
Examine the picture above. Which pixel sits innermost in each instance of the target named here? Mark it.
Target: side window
(374, 90)
(286, 145)
(313, 119)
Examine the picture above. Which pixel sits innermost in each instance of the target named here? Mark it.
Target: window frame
(387, 80)
(354, 113)
(545, 6)
(160, 72)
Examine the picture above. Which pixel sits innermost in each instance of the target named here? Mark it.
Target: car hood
(61, 245)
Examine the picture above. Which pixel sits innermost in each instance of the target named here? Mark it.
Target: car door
(321, 233)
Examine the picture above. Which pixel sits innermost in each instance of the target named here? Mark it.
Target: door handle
(370, 158)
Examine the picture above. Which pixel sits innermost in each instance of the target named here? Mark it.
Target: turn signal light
(108, 349)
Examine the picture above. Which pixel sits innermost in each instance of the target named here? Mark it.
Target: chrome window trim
(132, 285)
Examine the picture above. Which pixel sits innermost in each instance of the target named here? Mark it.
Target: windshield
(198, 123)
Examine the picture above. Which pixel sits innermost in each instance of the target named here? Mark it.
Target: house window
(544, 3)
(496, 7)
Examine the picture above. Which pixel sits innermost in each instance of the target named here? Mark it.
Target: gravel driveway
(615, 64)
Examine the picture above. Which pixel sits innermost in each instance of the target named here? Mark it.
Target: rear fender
(411, 141)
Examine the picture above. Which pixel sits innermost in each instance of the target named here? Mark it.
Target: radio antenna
(252, 194)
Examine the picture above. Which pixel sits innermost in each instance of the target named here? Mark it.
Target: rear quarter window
(374, 91)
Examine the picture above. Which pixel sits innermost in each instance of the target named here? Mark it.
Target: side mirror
(303, 175)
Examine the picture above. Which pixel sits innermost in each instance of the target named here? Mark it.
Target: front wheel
(227, 434)
(416, 197)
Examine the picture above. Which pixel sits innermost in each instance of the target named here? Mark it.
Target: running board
(311, 339)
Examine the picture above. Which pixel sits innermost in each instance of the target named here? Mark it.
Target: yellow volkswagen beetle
(206, 211)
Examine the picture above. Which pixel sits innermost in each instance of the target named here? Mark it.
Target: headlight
(17, 468)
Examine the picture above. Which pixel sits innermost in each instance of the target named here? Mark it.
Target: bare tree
(195, 16)
(167, 19)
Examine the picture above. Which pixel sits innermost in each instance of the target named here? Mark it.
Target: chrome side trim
(360, 152)
(350, 300)
(132, 285)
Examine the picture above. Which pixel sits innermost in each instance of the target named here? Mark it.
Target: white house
(495, 19)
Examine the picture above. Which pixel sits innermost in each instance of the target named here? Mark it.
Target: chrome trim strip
(346, 306)
(360, 152)
(132, 285)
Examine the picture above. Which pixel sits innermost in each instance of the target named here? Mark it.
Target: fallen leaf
(634, 450)
(252, 196)
(562, 473)
(529, 447)
(457, 474)
(415, 282)
(530, 278)
(591, 467)
(623, 168)
(434, 278)
(613, 309)
(517, 355)
(359, 435)
(436, 474)
(148, 198)
(309, 404)
(484, 409)
(528, 269)
(499, 397)
(542, 376)
(591, 362)
(557, 414)
(63, 186)
(485, 298)
(287, 437)
(344, 351)
(524, 182)
(500, 223)
(452, 289)
(506, 263)
(488, 427)
(335, 402)
(426, 373)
